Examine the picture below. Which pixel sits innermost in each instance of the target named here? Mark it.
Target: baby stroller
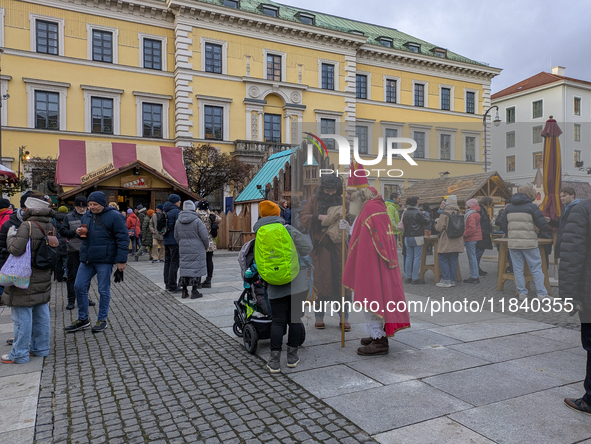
(252, 313)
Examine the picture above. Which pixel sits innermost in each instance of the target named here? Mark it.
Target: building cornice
(556, 84)
(84, 134)
(475, 117)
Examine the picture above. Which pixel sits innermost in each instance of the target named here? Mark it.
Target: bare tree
(40, 172)
(208, 170)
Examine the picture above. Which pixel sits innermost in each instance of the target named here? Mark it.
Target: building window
(577, 133)
(390, 91)
(389, 189)
(470, 149)
(361, 132)
(214, 122)
(328, 126)
(391, 132)
(470, 102)
(102, 115)
(537, 134)
(152, 120)
(419, 137)
(47, 37)
(419, 94)
(385, 41)
(538, 160)
(273, 128)
(537, 109)
(274, 67)
(213, 58)
(153, 54)
(510, 115)
(578, 159)
(327, 76)
(510, 140)
(510, 166)
(232, 4)
(102, 46)
(445, 98)
(306, 19)
(361, 86)
(441, 53)
(270, 11)
(47, 110)
(445, 147)
(577, 104)
(413, 47)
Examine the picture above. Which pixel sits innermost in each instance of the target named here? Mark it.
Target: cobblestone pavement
(162, 374)
(488, 288)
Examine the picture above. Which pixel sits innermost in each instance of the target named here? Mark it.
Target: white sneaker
(452, 284)
(443, 284)
(522, 297)
(544, 297)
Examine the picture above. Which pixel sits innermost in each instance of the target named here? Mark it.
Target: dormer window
(270, 10)
(385, 41)
(356, 32)
(305, 18)
(413, 47)
(438, 52)
(232, 4)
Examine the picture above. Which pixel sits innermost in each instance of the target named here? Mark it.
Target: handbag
(400, 224)
(132, 232)
(17, 270)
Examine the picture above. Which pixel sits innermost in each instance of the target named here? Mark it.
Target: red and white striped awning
(77, 158)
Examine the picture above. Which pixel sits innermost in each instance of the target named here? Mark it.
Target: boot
(197, 283)
(292, 357)
(185, 293)
(71, 306)
(206, 282)
(366, 341)
(195, 293)
(273, 362)
(377, 347)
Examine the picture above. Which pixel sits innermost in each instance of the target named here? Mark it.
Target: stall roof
(265, 175)
(583, 189)
(77, 158)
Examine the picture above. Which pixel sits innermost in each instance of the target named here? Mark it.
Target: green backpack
(275, 254)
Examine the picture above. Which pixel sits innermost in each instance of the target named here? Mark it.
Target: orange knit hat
(268, 208)
(150, 213)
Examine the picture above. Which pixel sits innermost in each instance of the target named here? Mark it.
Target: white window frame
(283, 63)
(107, 93)
(164, 40)
(33, 26)
(368, 75)
(46, 85)
(580, 156)
(398, 82)
(427, 131)
(515, 113)
(335, 64)
(532, 109)
(514, 139)
(2, 14)
(384, 182)
(575, 132)
(369, 125)
(3, 91)
(221, 102)
(514, 163)
(115, 31)
(426, 93)
(580, 105)
(452, 142)
(451, 97)
(532, 159)
(223, 44)
(532, 134)
(477, 146)
(476, 102)
(391, 125)
(332, 115)
(159, 99)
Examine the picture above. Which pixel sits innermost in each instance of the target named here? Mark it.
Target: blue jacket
(172, 213)
(107, 244)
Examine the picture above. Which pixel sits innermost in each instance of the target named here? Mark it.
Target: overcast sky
(523, 37)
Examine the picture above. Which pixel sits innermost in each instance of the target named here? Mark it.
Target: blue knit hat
(99, 197)
(174, 198)
(160, 207)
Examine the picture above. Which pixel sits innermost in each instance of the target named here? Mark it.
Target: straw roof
(466, 187)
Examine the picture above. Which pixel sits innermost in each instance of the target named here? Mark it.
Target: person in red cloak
(372, 272)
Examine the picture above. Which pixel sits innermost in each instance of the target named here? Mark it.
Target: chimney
(558, 71)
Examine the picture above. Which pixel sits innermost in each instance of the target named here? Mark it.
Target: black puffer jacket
(561, 223)
(575, 262)
(415, 222)
(486, 227)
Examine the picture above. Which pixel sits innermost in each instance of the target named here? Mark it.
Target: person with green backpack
(278, 252)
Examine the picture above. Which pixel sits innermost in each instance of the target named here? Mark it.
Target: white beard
(357, 202)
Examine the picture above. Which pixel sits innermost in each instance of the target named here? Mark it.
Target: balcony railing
(256, 146)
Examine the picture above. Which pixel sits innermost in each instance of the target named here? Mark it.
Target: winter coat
(58, 222)
(472, 230)
(72, 221)
(295, 220)
(133, 222)
(14, 220)
(445, 244)
(286, 215)
(204, 215)
(303, 245)
(4, 215)
(193, 239)
(39, 290)
(561, 224)
(106, 242)
(486, 229)
(575, 264)
(519, 222)
(146, 232)
(415, 222)
(392, 209)
(141, 215)
(153, 227)
(172, 212)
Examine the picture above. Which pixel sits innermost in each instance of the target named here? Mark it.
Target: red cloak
(372, 270)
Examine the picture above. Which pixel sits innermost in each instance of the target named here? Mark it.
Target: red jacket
(134, 222)
(472, 231)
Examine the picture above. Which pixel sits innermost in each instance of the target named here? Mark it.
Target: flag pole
(343, 246)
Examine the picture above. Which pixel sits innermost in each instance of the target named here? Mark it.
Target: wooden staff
(343, 246)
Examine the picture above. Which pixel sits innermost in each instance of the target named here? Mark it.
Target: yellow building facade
(245, 76)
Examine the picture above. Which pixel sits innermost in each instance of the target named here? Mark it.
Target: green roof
(372, 32)
(266, 174)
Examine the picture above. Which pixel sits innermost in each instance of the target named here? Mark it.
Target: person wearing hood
(208, 218)
(193, 239)
(157, 235)
(486, 229)
(285, 300)
(5, 211)
(519, 222)
(145, 233)
(29, 307)
(448, 248)
(171, 247)
(472, 234)
(568, 199)
(105, 243)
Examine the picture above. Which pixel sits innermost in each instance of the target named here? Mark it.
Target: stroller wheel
(250, 338)
(237, 329)
(303, 335)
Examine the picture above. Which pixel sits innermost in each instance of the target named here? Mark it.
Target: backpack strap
(52, 240)
(96, 218)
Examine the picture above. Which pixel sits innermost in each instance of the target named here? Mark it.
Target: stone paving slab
(18, 413)
(20, 436)
(486, 330)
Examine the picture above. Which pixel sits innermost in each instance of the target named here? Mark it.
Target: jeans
(31, 332)
(103, 276)
(534, 262)
(73, 264)
(171, 265)
(285, 311)
(157, 250)
(412, 263)
(586, 341)
(448, 265)
(472, 261)
(479, 254)
(135, 242)
(209, 260)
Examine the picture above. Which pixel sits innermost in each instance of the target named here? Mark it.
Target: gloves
(118, 275)
(344, 225)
